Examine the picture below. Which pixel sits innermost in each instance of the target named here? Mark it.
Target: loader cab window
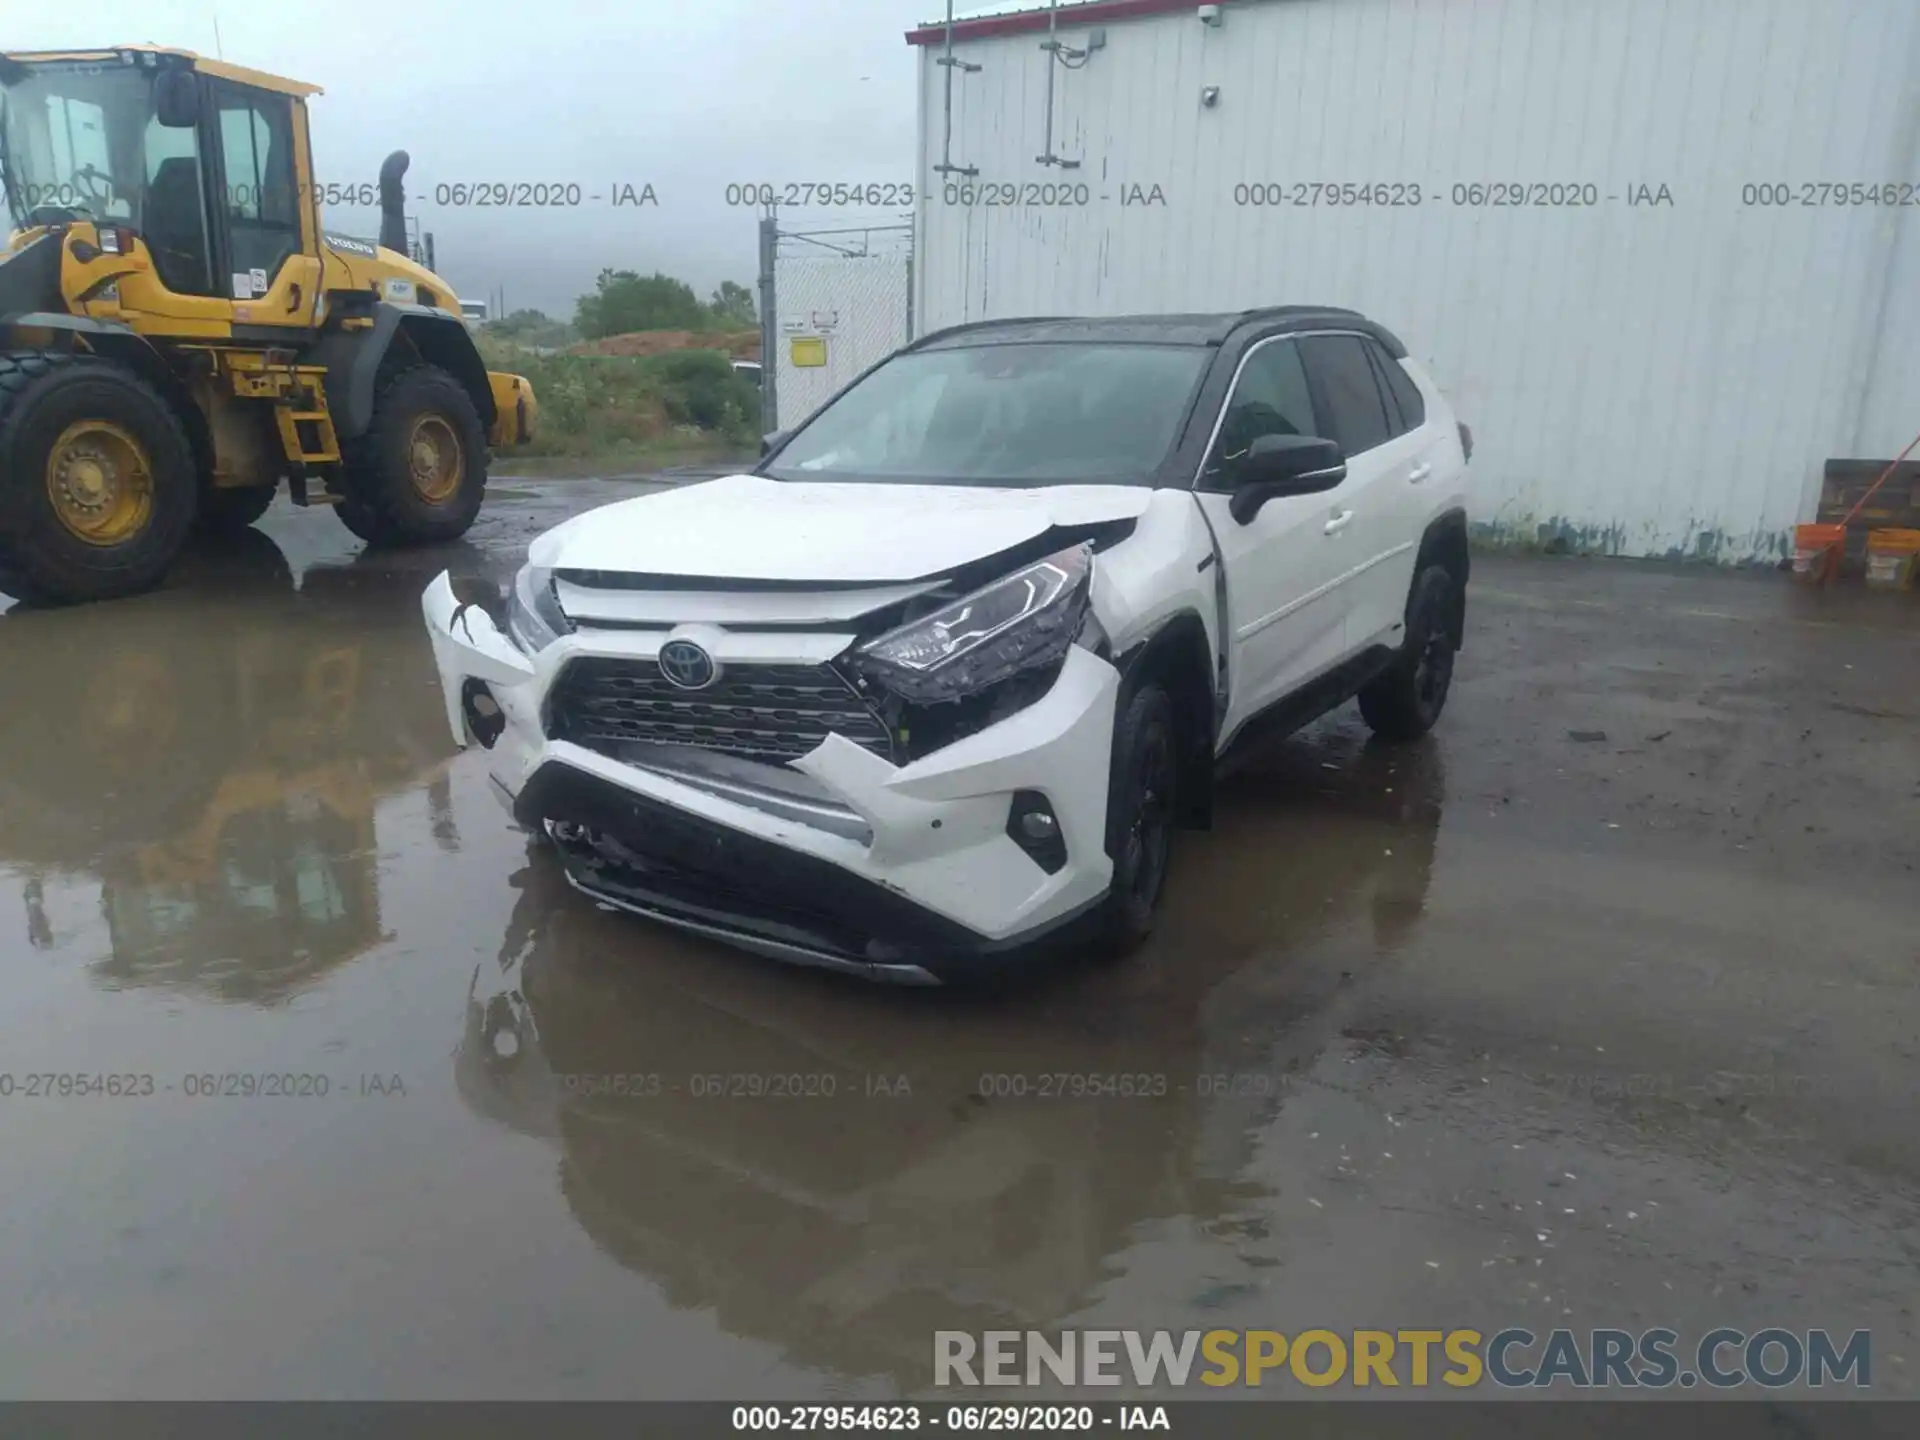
(257, 191)
(175, 224)
(77, 135)
(70, 143)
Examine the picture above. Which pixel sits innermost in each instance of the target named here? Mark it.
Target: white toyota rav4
(941, 677)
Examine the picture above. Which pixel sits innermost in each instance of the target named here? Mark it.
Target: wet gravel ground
(1596, 1009)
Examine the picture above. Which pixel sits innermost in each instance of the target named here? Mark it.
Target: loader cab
(212, 171)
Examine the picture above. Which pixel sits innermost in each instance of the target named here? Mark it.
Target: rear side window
(1355, 411)
(1405, 394)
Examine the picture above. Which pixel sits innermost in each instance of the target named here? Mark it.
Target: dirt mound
(736, 344)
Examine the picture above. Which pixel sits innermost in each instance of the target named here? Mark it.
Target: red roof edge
(1098, 12)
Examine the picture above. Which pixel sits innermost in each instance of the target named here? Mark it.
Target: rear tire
(98, 490)
(1404, 702)
(228, 511)
(1141, 806)
(418, 475)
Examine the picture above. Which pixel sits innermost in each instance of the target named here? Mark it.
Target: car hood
(747, 527)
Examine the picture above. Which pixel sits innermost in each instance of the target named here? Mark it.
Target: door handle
(1420, 472)
(1338, 523)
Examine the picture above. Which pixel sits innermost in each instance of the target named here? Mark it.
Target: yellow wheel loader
(179, 331)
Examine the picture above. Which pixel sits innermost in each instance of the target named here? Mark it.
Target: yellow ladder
(290, 420)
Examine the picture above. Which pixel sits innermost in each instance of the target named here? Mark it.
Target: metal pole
(769, 327)
(946, 63)
(949, 64)
(1054, 49)
(1053, 55)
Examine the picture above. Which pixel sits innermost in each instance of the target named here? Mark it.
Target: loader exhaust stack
(393, 202)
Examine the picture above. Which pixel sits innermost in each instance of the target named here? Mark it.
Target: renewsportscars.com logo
(1461, 1359)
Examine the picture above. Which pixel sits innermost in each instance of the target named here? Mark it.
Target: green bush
(702, 388)
(591, 404)
(624, 301)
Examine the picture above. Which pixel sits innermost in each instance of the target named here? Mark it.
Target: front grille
(757, 712)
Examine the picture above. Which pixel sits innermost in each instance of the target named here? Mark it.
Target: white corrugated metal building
(1695, 304)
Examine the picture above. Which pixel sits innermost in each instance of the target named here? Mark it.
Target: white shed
(1662, 253)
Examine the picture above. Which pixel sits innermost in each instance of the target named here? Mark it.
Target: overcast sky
(688, 95)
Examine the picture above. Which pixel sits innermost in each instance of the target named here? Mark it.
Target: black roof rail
(1262, 312)
(961, 329)
(1211, 328)
(1394, 345)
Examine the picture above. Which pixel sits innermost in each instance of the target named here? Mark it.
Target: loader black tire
(384, 501)
(229, 510)
(45, 396)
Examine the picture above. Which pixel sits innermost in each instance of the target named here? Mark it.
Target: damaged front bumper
(912, 873)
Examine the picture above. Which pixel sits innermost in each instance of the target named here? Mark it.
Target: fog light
(482, 712)
(1032, 825)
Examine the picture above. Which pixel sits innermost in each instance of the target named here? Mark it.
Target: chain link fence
(832, 302)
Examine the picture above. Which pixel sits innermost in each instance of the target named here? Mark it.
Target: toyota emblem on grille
(687, 665)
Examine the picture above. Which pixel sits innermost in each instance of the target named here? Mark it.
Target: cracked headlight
(1020, 622)
(534, 617)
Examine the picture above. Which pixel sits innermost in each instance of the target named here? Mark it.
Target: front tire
(1405, 701)
(1141, 806)
(419, 473)
(98, 490)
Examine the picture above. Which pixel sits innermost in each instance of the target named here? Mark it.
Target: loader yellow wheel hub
(100, 482)
(434, 462)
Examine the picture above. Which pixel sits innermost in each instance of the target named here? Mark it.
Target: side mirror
(1277, 465)
(771, 442)
(176, 99)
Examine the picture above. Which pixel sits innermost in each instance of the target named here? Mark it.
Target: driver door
(268, 254)
(174, 217)
(1285, 621)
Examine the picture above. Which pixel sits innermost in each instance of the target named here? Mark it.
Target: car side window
(1356, 410)
(1404, 394)
(1270, 397)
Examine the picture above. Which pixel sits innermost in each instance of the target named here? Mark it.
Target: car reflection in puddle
(842, 1170)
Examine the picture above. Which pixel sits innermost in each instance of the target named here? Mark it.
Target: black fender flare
(354, 359)
(1179, 654)
(1445, 543)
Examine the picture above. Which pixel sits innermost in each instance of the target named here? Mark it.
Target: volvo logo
(687, 665)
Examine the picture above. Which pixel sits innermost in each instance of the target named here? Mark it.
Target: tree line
(625, 300)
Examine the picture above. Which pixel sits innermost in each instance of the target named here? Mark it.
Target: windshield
(78, 140)
(1004, 415)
